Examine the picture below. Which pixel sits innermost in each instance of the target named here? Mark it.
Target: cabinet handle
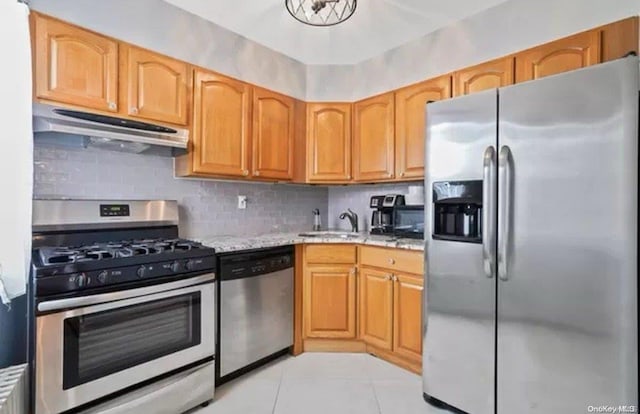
(134, 111)
(392, 261)
(112, 105)
(245, 172)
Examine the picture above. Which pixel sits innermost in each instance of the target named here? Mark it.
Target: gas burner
(112, 250)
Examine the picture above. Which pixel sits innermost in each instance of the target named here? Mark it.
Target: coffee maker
(382, 217)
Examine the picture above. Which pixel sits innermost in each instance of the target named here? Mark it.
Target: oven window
(103, 343)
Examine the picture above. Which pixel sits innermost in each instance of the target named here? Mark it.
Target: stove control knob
(102, 276)
(81, 280)
(175, 267)
(189, 264)
(142, 271)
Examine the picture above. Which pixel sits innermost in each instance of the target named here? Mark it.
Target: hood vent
(64, 127)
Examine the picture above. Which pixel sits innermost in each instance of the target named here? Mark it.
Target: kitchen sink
(338, 234)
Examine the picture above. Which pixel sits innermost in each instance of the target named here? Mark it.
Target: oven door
(89, 352)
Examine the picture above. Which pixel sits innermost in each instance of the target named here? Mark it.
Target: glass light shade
(321, 12)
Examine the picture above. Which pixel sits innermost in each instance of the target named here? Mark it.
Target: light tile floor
(323, 383)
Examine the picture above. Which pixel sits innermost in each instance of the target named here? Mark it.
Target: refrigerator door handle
(505, 175)
(489, 211)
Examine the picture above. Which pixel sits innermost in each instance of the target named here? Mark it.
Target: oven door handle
(58, 304)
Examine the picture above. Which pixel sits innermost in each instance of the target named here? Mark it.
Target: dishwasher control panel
(243, 265)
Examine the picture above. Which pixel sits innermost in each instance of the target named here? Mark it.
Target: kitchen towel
(16, 141)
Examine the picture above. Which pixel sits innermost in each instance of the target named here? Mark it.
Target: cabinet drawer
(330, 253)
(393, 259)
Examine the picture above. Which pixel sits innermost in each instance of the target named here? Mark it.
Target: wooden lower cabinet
(329, 302)
(351, 303)
(407, 316)
(376, 307)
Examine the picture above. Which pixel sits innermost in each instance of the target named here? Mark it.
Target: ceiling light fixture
(321, 12)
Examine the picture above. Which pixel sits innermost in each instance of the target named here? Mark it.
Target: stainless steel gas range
(123, 310)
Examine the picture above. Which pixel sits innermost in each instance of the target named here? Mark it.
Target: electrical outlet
(242, 201)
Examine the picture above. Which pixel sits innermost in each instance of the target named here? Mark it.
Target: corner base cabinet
(362, 299)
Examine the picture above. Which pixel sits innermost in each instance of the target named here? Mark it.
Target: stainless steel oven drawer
(172, 395)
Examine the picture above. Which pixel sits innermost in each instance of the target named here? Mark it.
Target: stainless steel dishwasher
(256, 309)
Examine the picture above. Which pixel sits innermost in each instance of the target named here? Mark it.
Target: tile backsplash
(207, 208)
(356, 197)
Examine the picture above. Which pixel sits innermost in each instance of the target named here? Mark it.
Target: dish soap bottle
(317, 222)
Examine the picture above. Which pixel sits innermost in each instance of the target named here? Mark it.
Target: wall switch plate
(242, 201)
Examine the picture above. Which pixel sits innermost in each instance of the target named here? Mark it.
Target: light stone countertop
(225, 244)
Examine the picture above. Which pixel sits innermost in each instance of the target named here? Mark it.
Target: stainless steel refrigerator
(531, 301)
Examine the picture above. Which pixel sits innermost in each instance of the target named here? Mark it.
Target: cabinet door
(329, 302)
(329, 142)
(619, 39)
(155, 87)
(373, 138)
(563, 55)
(376, 307)
(489, 75)
(221, 124)
(273, 135)
(411, 124)
(75, 66)
(407, 316)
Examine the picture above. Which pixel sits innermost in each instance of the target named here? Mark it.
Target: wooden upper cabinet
(563, 55)
(329, 142)
(273, 134)
(221, 125)
(329, 302)
(154, 87)
(407, 315)
(74, 66)
(410, 124)
(619, 39)
(376, 307)
(488, 75)
(373, 138)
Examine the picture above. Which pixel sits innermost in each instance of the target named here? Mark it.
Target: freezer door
(459, 307)
(567, 239)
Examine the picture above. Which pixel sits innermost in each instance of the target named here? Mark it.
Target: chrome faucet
(353, 219)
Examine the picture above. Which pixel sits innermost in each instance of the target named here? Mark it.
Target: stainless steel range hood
(61, 126)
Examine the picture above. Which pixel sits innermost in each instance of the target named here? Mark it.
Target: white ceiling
(375, 27)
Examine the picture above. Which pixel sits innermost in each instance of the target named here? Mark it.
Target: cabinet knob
(353, 271)
(112, 105)
(348, 177)
(257, 173)
(392, 261)
(389, 277)
(245, 172)
(395, 278)
(389, 175)
(402, 174)
(134, 111)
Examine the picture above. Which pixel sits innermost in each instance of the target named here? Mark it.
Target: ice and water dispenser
(458, 211)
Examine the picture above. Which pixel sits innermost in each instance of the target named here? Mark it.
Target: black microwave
(408, 221)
